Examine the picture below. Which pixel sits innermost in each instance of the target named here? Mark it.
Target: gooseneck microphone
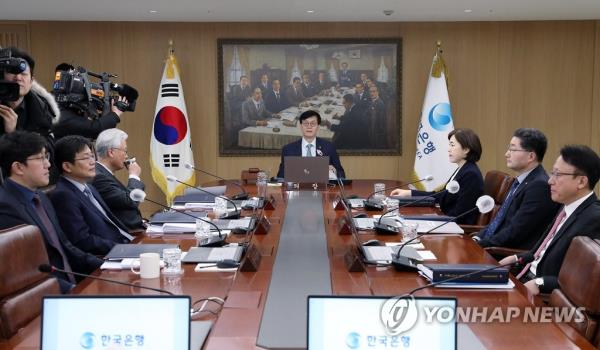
(375, 206)
(50, 269)
(138, 195)
(451, 187)
(239, 196)
(229, 215)
(524, 260)
(484, 204)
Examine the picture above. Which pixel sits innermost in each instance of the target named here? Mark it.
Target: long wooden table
(237, 324)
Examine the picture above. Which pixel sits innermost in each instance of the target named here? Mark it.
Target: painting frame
(254, 58)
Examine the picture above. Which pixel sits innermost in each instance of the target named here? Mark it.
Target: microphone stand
(374, 206)
(239, 196)
(233, 215)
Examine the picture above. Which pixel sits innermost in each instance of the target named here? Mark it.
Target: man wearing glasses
(527, 208)
(25, 164)
(84, 216)
(312, 146)
(111, 150)
(572, 181)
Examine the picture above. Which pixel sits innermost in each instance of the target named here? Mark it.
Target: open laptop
(355, 322)
(306, 170)
(115, 322)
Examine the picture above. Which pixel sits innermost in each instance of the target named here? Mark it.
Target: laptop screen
(306, 170)
(116, 322)
(357, 322)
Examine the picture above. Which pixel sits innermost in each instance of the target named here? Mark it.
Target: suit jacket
(308, 91)
(320, 86)
(585, 221)
(345, 78)
(116, 197)
(250, 114)
(349, 132)
(76, 123)
(471, 187)
(527, 216)
(378, 126)
(294, 98)
(275, 105)
(15, 209)
(263, 89)
(83, 224)
(325, 147)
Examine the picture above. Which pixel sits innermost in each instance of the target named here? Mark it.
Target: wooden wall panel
(503, 75)
(14, 34)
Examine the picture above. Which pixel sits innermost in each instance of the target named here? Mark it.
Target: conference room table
(236, 324)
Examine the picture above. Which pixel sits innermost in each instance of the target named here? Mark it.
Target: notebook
(115, 322)
(356, 322)
(123, 251)
(212, 255)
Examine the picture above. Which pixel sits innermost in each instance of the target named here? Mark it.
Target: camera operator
(35, 108)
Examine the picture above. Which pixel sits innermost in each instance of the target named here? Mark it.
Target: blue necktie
(493, 226)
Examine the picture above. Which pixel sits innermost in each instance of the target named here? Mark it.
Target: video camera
(9, 91)
(73, 89)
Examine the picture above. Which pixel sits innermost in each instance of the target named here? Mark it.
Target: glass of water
(409, 231)
(261, 184)
(379, 191)
(220, 206)
(202, 229)
(392, 205)
(172, 260)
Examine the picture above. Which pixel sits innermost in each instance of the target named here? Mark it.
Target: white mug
(149, 265)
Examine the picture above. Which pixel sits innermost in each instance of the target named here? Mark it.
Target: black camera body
(74, 89)
(9, 91)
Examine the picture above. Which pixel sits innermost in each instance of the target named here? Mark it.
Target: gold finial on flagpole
(171, 50)
(438, 45)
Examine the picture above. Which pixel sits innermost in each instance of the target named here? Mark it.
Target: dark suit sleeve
(334, 160)
(71, 123)
(113, 194)
(284, 151)
(471, 187)
(535, 206)
(72, 220)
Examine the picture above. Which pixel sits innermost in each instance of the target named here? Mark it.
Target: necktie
(549, 236)
(493, 226)
(98, 206)
(52, 235)
(277, 96)
(258, 106)
(308, 150)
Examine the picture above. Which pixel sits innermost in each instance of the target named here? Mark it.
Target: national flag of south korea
(170, 143)
(431, 157)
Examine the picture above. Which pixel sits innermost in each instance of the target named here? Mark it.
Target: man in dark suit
(527, 209)
(311, 146)
(352, 124)
(377, 120)
(345, 78)
(274, 99)
(24, 161)
(238, 95)
(85, 218)
(111, 151)
(264, 85)
(293, 94)
(321, 83)
(361, 98)
(308, 89)
(572, 181)
(254, 112)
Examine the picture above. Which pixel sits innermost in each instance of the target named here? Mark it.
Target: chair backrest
(579, 280)
(22, 286)
(249, 176)
(496, 185)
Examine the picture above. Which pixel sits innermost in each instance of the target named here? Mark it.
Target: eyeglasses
(557, 174)
(45, 156)
(88, 158)
(120, 149)
(511, 150)
(309, 124)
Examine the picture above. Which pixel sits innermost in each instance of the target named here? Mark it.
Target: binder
(440, 272)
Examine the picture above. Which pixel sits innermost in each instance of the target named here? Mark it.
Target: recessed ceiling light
(310, 11)
(468, 10)
(153, 11)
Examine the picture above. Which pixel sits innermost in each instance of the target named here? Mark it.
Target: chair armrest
(469, 229)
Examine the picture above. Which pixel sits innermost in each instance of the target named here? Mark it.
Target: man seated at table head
(24, 163)
(254, 111)
(527, 208)
(293, 94)
(311, 146)
(84, 216)
(111, 150)
(572, 181)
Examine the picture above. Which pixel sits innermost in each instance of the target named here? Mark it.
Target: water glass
(172, 260)
(409, 231)
(379, 188)
(261, 184)
(220, 206)
(202, 229)
(392, 204)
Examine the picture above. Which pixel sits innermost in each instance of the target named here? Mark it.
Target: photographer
(88, 109)
(35, 108)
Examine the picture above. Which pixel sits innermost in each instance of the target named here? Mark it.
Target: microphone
(239, 196)
(524, 260)
(451, 187)
(375, 206)
(50, 269)
(484, 204)
(233, 215)
(138, 195)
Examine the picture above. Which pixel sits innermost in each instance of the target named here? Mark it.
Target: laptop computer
(213, 255)
(355, 322)
(115, 322)
(306, 170)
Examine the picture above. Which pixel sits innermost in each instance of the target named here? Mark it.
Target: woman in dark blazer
(464, 151)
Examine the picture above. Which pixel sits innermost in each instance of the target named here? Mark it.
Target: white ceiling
(296, 11)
